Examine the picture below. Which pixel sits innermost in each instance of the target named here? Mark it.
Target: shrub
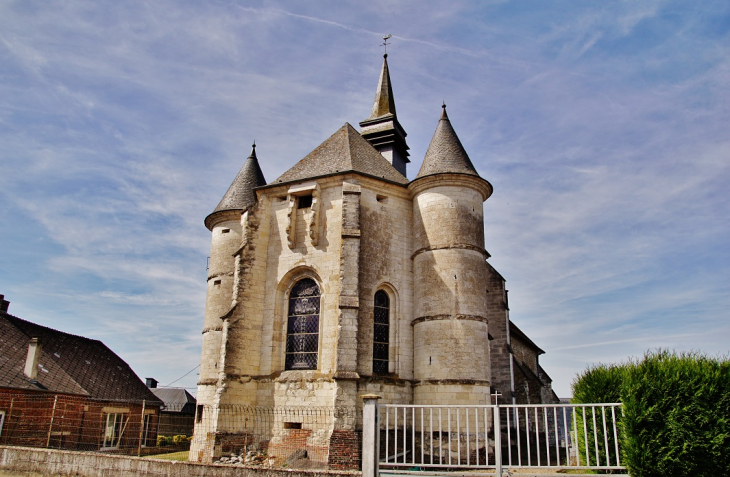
(677, 416)
(601, 383)
(598, 384)
(676, 413)
(179, 440)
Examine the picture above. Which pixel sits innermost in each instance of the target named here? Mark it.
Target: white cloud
(603, 130)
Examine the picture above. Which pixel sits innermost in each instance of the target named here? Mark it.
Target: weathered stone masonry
(347, 218)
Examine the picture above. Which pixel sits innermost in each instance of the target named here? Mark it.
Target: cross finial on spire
(385, 44)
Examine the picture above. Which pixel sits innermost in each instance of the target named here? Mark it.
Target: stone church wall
(286, 265)
(524, 353)
(385, 254)
(498, 316)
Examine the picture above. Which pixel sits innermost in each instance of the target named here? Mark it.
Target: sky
(604, 128)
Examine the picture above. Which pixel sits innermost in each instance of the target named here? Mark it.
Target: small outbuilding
(177, 417)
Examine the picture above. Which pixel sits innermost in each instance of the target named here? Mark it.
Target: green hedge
(178, 440)
(676, 413)
(598, 384)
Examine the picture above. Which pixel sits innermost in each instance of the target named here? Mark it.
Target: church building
(343, 277)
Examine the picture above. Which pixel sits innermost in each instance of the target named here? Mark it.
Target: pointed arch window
(302, 331)
(381, 332)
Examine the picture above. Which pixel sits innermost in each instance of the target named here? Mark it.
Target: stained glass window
(302, 332)
(381, 333)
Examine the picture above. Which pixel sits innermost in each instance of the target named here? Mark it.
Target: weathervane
(385, 43)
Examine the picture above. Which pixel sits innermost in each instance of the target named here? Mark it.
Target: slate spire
(241, 195)
(445, 154)
(382, 129)
(384, 103)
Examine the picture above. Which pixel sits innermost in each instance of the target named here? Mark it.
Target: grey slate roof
(445, 153)
(175, 399)
(344, 151)
(515, 332)
(240, 195)
(68, 364)
(384, 103)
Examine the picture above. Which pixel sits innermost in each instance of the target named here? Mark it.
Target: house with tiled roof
(66, 391)
(344, 277)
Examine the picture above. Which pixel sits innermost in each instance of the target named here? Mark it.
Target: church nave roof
(344, 151)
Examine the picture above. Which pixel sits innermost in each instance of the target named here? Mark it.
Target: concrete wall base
(28, 461)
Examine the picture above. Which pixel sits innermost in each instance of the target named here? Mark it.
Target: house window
(2, 421)
(114, 428)
(381, 333)
(302, 331)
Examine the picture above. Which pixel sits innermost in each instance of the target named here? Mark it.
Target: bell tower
(382, 129)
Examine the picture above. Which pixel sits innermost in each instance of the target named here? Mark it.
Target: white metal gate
(413, 439)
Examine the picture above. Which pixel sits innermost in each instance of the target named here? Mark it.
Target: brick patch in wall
(238, 443)
(345, 450)
(292, 444)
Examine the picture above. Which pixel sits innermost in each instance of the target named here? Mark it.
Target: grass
(181, 456)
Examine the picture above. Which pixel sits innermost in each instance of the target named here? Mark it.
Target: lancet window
(381, 332)
(302, 332)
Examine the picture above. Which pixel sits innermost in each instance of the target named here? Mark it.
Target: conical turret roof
(344, 151)
(241, 195)
(384, 103)
(445, 154)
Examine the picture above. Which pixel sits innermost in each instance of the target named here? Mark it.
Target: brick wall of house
(40, 419)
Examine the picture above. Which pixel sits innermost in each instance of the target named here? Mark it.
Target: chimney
(151, 383)
(4, 304)
(31, 362)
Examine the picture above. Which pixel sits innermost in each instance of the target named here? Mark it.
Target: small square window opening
(305, 201)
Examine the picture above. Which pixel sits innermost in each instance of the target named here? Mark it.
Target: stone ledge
(458, 246)
(346, 375)
(349, 301)
(423, 319)
(351, 233)
(441, 382)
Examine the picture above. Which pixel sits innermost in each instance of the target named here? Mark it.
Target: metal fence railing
(277, 437)
(412, 438)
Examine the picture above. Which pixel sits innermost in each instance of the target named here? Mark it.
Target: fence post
(369, 433)
(141, 430)
(53, 416)
(497, 441)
